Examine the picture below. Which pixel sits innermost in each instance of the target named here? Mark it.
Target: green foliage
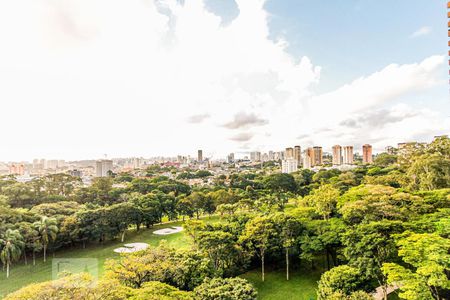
(225, 289)
(79, 286)
(323, 200)
(368, 246)
(342, 279)
(384, 160)
(47, 229)
(11, 245)
(280, 183)
(428, 263)
(325, 216)
(155, 290)
(183, 269)
(260, 237)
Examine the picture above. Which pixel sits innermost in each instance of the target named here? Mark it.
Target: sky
(83, 78)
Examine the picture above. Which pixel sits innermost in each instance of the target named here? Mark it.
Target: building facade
(337, 155)
(200, 155)
(367, 154)
(317, 156)
(298, 154)
(289, 153)
(103, 167)
(255, 156)
(347, 155)
(289, 165)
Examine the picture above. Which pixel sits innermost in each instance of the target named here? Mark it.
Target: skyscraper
(271, 155)
(348, 155)
(255, 156)
(367, 154)
(337, 155)
(298, 155)
(102, 167)
(318, 156)
(200, 155)
(309, 155)
(289, 153)
(306, 160)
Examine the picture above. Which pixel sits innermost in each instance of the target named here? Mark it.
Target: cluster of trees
(194, 175)
(372, 226)
(156, 273)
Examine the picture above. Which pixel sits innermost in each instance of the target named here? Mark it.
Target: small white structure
(170, 230)
(130, 248)
(289, 165)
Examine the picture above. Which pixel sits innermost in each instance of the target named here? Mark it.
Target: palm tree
(47, 229)
(12, 243)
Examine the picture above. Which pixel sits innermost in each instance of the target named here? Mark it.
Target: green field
(301, 286)
(22, 274)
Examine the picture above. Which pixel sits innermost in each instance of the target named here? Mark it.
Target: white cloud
(363, 111)
(79, 78)
(426, 30)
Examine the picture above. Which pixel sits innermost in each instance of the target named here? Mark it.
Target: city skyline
(289, 152)
(295, 152)
(146, 78)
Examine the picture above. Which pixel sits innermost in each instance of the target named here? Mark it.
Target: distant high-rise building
(289, 153)
(318, 156)
(36, 164)
(309, 154)
(367, 154)
(137, 163)
(337, 155)
(271, 155)
(289, 165)
(17, 169)
(298, 154)
(102, 167)
(200, 155)
(347, 155)
(255, 156)
(307, 160)
(230, 158)
(52, 164)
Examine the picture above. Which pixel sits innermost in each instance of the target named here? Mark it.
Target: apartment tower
(347, 155)
(289, 153)
(200, 155)
(337, 155)
(298, 154)
(318, 156)
(367, 154)
(103, 167)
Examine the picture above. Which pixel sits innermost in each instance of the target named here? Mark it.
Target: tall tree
(290, 229)
(369, 246)
(259, 236)
(47, 228)
(12, 246)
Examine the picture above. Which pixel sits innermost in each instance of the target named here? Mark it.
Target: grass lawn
(302, 284)
(22, 274)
